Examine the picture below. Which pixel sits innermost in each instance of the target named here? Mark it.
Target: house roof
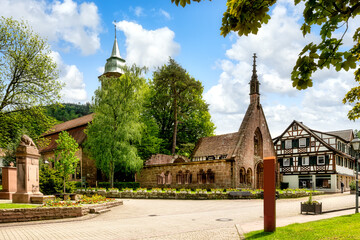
(216, 145)
(84, 120)
(74, 127)
(347, 135)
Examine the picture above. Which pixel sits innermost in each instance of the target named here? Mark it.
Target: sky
(81, 36)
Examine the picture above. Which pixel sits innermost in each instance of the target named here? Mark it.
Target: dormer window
(294, 127)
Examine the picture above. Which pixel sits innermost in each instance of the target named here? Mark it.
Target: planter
(315, 208)
(352, 191)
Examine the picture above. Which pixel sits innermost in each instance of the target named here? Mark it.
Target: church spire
(115, 61)
(254, 82)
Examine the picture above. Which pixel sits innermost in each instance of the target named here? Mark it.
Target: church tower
(114, 62)
(254, 84)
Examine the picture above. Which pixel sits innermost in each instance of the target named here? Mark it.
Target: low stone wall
(47, 213)
(199, 196)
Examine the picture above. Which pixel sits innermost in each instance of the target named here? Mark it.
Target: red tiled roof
(84, 120)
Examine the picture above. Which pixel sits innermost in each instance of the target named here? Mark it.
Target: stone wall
(221, 169)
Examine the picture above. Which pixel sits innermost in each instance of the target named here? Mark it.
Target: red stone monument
(27, 162)
(8, 182)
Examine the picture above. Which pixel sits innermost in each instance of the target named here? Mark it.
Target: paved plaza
(175, 219)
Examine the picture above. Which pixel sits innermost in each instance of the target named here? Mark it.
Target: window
(323, 181)
(286, 162)
(305, 161)
(294, 127)
(321, 160)
(302, 142)
(288, 144)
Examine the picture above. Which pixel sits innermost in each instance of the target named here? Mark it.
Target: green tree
(68, 111)
(178, 107)
(117, 128)
(28, 75)
(28, 79)
(65, 156)
(246, 17)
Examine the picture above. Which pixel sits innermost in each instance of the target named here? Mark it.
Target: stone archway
(259, 175)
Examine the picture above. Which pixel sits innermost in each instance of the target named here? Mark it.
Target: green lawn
(16, 205)
(345, 227)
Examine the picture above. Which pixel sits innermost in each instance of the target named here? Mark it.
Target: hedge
(120, 185)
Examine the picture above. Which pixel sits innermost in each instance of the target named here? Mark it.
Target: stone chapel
(233, 160)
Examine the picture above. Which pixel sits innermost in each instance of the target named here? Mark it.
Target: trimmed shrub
(120, 185)
(51, 182)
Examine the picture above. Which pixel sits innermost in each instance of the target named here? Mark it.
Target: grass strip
(16, 205)
(344, 227)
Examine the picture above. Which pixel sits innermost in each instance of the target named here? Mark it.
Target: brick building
(229, 160)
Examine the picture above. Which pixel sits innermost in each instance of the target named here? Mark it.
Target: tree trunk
(175, 127)
(111, 174)
(64, 185)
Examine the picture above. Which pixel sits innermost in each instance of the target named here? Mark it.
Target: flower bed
(172, 193)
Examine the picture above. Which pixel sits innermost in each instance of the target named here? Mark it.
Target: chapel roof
(216, 145)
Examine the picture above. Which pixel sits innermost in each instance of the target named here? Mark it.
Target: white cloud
(277, 45)
(77, 24)
(74, 89)
(165, 14)
(150, 48)
(138, 11)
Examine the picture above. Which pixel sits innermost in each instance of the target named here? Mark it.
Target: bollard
(269, 194)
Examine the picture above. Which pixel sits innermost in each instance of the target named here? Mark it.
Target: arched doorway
(260, 175)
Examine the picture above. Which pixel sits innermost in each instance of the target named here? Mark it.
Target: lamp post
(355, 143)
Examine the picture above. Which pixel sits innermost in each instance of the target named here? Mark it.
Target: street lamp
(355, 143)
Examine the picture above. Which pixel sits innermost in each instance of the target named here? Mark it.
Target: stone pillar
(269, 194)
(27, 162)
(9, 184)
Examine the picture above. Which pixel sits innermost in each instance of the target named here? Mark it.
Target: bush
(352, 185)
(120, 185)
(51, 181)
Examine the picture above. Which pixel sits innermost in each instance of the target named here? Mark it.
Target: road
(174, 219)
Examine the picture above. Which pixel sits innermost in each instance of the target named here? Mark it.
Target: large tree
(28, 79)
(117, 128)
(246, 17)
(28, 74)
(177, 105)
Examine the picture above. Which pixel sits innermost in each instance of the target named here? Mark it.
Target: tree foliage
(117, 127)
(28, 75)
(332, 16)
(66, 160)
(177, 106)
(68, 111)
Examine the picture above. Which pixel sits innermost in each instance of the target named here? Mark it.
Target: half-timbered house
(313, 159)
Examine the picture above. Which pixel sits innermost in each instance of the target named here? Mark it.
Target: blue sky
(81, 35)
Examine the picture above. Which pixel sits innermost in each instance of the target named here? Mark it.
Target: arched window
(188, 177)
(249, 176)
(161, 178)
(210, 176)
(201, 176)
(242, 175)
(168, 177)
(179, 178)
(258, 143)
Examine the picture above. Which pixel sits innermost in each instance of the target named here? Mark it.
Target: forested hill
(68, 111)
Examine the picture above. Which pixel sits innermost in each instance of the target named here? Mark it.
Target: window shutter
(299, 161)
(327, 159)
(295, 143)
(282, 144)
(307, 142)
(291, 161)
(312, 160)
(280, 161)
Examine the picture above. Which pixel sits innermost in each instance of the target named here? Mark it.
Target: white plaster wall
(293, 180)
(344, 170)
